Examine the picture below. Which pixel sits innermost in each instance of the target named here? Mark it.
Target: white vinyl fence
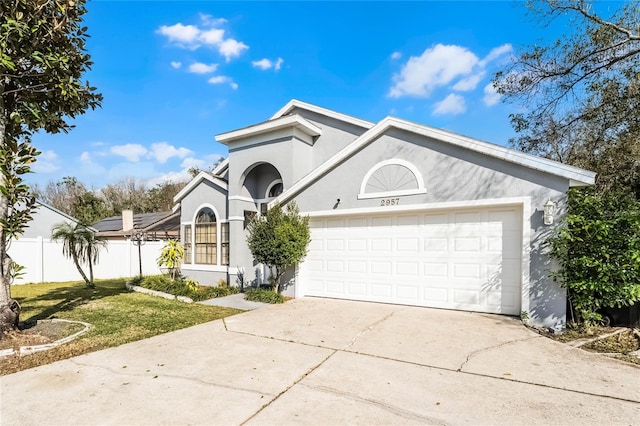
(44, 262)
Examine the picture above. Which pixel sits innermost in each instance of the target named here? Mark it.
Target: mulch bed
(38, 333)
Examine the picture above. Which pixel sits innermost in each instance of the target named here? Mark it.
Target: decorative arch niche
(392, 178)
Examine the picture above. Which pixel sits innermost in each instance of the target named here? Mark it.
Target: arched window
(392, 178)
(274, 189)
(206, 237)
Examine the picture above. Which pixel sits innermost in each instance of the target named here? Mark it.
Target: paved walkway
(321, 361)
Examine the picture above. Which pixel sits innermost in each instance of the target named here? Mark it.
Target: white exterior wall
(44, 262)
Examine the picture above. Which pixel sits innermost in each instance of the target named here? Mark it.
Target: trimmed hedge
(264, 296)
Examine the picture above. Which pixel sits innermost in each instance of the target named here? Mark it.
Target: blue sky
(176, 73)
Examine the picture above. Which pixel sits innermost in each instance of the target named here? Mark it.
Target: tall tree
(80, 244)
(578, 93)
(42, 61)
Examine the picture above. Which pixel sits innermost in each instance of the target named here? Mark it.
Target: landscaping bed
(619, 343)
(116, 315)
(183, 287)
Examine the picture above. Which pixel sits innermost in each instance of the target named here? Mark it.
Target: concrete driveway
(321, 361)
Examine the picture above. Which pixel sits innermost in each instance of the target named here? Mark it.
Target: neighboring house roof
(576, 176)
(219, 182)
(287, 121)
(148, 222)
(323, 111)
(61, 213)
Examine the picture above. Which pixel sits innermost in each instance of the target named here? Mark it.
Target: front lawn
(117, 316)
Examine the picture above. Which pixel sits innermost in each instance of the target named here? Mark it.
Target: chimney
(127, 220)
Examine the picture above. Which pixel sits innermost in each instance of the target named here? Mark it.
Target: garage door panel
(407, 244)
(381, 290)
(467, 270)
(357, 266)
(436, 244)
(381, 244)
(381, 267)
(355, 223)
(467, 244)
(465, 259)
(466, 297)
(355, 245)
(335, 266)
(435, 269)
(408, 292)
(408, 221)
(407, 268)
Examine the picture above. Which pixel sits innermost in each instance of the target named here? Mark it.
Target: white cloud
(221, 79)
(213, 37)
(200, 68)
(437, 66)
(265, 64)
(469, 83)
(181, 176)
(130, 151)
(491, 95)
(189, 162)
(231, 48)
(176, 64)
(208, 33)
(496, 53)
(88, 167)
(452, 104)
(396, 55)
(162, 151)
(211, 21)
(46, 162)
(180, 34)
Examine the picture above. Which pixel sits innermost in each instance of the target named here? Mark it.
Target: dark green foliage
(42, 61)
(264, 296)
(182, 287)
(279, 239)
(599, 251)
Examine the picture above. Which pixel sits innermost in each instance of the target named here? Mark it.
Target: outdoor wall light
(549, 210)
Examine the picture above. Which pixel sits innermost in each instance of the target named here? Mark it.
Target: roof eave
(295, 120)
(294, 103)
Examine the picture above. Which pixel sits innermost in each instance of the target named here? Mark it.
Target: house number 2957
(390, 202)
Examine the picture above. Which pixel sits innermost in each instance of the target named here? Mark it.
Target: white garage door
(462, 259)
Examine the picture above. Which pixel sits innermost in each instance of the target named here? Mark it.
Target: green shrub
(599, 252)
(264, 296)
(182, 287)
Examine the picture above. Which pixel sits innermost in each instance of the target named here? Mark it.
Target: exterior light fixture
(549, 210)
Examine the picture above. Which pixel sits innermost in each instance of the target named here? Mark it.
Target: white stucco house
(400, 213)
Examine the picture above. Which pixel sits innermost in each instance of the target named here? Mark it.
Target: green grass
(117, 316)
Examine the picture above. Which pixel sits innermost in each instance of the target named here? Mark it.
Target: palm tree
(81, 244)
